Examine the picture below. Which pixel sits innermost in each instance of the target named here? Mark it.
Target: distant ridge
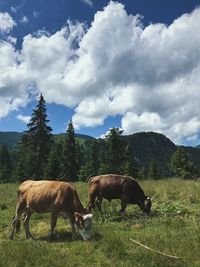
(12, 138)
(145, 147)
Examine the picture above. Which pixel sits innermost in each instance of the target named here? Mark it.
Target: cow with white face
(56, 197)
(84, 225)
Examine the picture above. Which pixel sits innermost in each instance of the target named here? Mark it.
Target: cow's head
(145, 205)
(84, 225)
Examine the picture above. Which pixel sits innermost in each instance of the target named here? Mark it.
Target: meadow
(172, 228)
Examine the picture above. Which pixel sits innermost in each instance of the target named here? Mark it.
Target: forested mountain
(81, 138)
(149, 146)
(12, 138)
(144, 146)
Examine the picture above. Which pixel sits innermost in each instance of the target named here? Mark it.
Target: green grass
(173, 228)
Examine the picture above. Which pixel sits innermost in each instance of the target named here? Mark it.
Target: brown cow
(113, 186)
(56, 197)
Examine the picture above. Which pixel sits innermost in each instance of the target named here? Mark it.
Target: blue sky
(130, 64)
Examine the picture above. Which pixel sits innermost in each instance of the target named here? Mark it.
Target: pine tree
(104, 167)
(40, 138)
(116, 147)
(91, 167)
(130, 167)
(53, 166)
(79, 155)
(35, 145)
(85, 171)
(24, 160)
(5, 164)
(94, 150)
(181, 164)
(70, 166)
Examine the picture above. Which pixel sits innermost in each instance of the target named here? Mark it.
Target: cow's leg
(16, 219)
(27, 217)
(15, 226)
(91, 203)
(98, 203)
(72, 222)
(123, 207)
(53, 225)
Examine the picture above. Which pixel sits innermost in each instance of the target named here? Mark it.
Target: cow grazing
(56, 197)
(113, 186)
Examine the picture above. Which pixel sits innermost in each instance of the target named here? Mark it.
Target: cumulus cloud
(148, 75)
(25, 119)
(6, 22)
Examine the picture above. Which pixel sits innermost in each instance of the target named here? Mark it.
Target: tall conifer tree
(24, 160)
(35, 145)
(53, 166)
(40, 137)
(91, 166)
(116, 149)
(70, 166)
(130, 167)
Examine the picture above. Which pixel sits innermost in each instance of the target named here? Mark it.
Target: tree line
(39, 156)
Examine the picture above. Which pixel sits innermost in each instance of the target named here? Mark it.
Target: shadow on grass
(96, 236)
(58, 237)
(63, 237)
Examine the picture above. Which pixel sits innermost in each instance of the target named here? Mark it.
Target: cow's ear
(78, 216)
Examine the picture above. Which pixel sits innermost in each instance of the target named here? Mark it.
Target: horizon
(102, 137)
(131, 65)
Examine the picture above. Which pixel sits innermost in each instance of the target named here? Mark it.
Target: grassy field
(173, 228)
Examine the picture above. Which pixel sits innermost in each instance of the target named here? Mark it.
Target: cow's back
(110, 186)
(44, 196)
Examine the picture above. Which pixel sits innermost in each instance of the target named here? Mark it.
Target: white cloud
(148, 75)
(25, 119)
(12, 40)
(24, 20)
(88, 2)
(146, 121)
(6, 22)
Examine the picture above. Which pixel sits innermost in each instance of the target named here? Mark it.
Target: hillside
(145, 146)
(81, 138)
(12, 138)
